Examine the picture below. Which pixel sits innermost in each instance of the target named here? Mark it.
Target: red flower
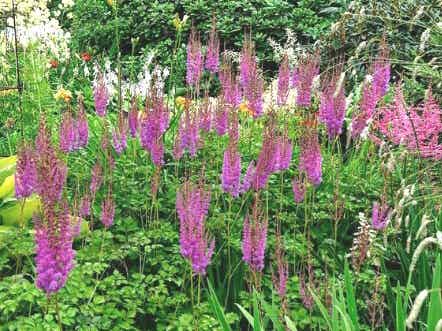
(53, 64)
(85, 56)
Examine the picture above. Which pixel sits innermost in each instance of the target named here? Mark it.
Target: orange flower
(53, 64)
(243, 107)
(85, 56)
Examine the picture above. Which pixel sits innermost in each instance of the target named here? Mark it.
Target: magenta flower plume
(212, 55)
(248, 178)
(416, 128)
(101, 95)
(54, 254)
(381, 71)
(194, 67)
(96, 178)
(283, 152)
(380, 216)
(188, 134)
(192, 204)
(85, 206)
(294, 78)
(133, 118)
(307, 71)
(251, 80)
(332, 107)
(230, 89)
(119, 135)
(231, 172)
(51, 171)
(280, 277)
(205, 115)
(254, 241)
(82, 127)
(283, 81)
(108, 211)
(153, 125)
(299, 188)
(67, 133)
(26, 172)
(310, 159)
(221, 120)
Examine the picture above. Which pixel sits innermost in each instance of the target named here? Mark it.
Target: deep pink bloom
(248, 177)
(310, 159)
(101, 95)
(221, 120)
(82, 128)
(192, 204)
(195, 61)
(231, 172)
(67, 133)
(212, 55)
(251, 80)
(119, 136)
(230, 89)
(107, 211)
(96, 178)
(298, 187)
(308, 69)
(54, 253)
(332, 107)
(254, 241)
(26, 172)
(188, 134)
(381, 216)
(85, 206)
(283, 81)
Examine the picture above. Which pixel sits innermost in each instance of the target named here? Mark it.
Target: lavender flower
(283, 81)
(194, 67)
(82, 127)
(107, 211)
(380, 217)
(192, 204)
(85, 206)
(248, 177)
(67, 133)
(298, 187)
(308, 69)
(254, 241)
(212, 56)
(26, 172)
(54, 253)
(310, 159)
(231, 173)
(101, 95)
(221, 121)
(96, 178)
(332, 107)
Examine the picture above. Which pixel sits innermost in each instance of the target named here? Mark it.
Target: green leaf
(350, 296)
(290, 324)
(400, 314)
(217, 309)
(435, 306)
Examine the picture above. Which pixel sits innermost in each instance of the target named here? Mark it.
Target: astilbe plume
(154, 123)
(298, 187)
(372, 91)
(308, 69)
(248, 178)
(54, 253)
(283, 81)
(212, 55)
(133, 118)
(51, 171)
(119, 135)
(254, 239)
(195, 61)
(108, 211)
(380, 215)
(192, 205)
(304, 292)
(333, 105)
(294, 78)
(280, 277)
(67, 133)
(283, 152)
(251, 81)
(101, 95)
(188, 134)
(231, 172)
(230, 88)
(26, 172)
(85, 206)
(222, 119)
(205, 115)
(310, 159)
(416, 128)
(96, 178)
(82, 126)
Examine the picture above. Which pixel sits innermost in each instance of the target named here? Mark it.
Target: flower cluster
(283, 81)
(303, 79)
(380, 216)
(310, 159)
(212, 55)
(192, 205)
(195, 61)
(231, 173)
(26, 172)
(74, 133)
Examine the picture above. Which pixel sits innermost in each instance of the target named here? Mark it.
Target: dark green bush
(94, 24)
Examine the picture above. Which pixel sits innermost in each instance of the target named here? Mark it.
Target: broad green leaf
(350, 296)
(217, 309)
(435, 306)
